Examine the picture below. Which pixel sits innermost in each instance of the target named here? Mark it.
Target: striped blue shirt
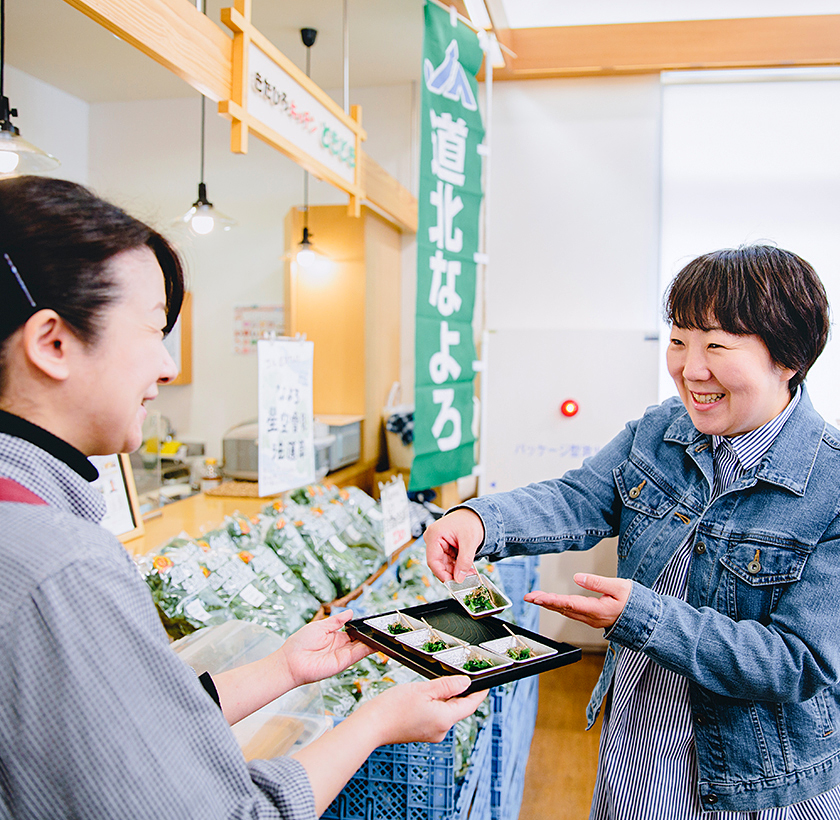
(647, 766)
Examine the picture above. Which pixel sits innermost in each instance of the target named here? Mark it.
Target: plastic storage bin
(405, 781)
(520, 575)
(514, 717)
(472, 799)
(281, 727)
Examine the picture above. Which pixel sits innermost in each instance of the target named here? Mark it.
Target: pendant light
(203, 217)
(17, 156)
(305, 256)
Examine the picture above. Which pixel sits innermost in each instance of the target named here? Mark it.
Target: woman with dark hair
(98, 716)
(721, 683)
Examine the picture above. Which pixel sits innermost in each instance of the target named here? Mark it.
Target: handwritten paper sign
(286, 446)
(397, 519)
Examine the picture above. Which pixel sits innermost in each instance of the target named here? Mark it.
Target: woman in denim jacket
(722, 679)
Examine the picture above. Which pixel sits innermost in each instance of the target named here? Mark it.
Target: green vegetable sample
(434, 646)
(398, 628)
(477, 664)
(519, 653)
(479, 600)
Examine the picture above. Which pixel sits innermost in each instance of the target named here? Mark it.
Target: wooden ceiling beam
(177, 35)
(642, 48)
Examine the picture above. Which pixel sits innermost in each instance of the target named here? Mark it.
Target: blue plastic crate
(405, 781)
(514, 718)
(472, 799)
(520, 575)
(505, 803)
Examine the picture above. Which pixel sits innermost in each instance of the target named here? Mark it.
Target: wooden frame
(116, 481)
(647, 48)
(177, 35)
(179, 342)
(245, 36)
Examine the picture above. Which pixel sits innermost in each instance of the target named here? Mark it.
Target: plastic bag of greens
(415, 576)
(365, 512)
(312, 494)
(360, 540)
(344, 569)
(283, 537)
(180, 589)
(238, 585)
(275, 576)
(240, 527)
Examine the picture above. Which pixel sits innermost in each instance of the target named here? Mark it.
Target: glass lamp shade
(202, 217)
(18, 157)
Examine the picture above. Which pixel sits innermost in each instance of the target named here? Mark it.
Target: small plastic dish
(501, 646)
(382, 622)
(419, 637)
(455, 659)
(460, 591)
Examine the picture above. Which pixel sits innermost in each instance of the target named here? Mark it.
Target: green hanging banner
(449, 205)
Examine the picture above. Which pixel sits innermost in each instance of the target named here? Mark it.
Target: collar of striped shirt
(750, 447)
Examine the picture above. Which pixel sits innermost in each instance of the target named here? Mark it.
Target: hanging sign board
(449, 203)
(286, 447)
(273, 98)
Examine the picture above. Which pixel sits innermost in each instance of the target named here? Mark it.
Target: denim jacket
(759, 635)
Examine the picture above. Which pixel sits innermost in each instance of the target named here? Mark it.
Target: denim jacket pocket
(759, 571)
(643, 502)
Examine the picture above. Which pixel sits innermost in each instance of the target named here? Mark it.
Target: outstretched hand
(601, 612)
(452, 542)
(322, 649)
(423, 711)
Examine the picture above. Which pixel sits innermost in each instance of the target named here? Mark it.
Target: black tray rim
(428, 667)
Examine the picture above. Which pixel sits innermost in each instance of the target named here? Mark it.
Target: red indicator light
(569, 408)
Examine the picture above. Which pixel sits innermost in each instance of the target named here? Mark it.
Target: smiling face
(118, 374)
(727, 382)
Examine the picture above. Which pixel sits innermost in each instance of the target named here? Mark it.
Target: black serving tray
(449, 616)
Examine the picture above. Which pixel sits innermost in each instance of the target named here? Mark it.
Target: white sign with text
(395, 512)
(286, 446)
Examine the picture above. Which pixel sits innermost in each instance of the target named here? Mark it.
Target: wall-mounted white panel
(612, 377)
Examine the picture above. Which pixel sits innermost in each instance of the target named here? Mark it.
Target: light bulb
(305, 257)
(8, 161)
(202, 224)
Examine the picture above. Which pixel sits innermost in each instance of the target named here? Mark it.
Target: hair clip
(20, 281)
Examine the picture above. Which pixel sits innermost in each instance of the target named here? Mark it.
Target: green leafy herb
(478, 600)
(434, 646)
(398, 628)
(477, 664)
(519, 653)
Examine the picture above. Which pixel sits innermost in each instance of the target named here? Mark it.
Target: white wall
(755, 161)
(52, 120)
(574, 212)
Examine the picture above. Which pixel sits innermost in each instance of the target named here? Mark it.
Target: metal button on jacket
(699, 548)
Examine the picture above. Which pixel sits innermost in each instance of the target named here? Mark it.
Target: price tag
(395, 512)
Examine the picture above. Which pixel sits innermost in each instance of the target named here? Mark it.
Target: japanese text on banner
(447, 242)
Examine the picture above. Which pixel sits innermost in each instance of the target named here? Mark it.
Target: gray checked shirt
(98, 716)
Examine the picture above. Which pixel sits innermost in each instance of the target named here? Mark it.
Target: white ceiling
(52, 41)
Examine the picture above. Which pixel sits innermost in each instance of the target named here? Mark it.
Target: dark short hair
(755, 290)
(59, 237)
